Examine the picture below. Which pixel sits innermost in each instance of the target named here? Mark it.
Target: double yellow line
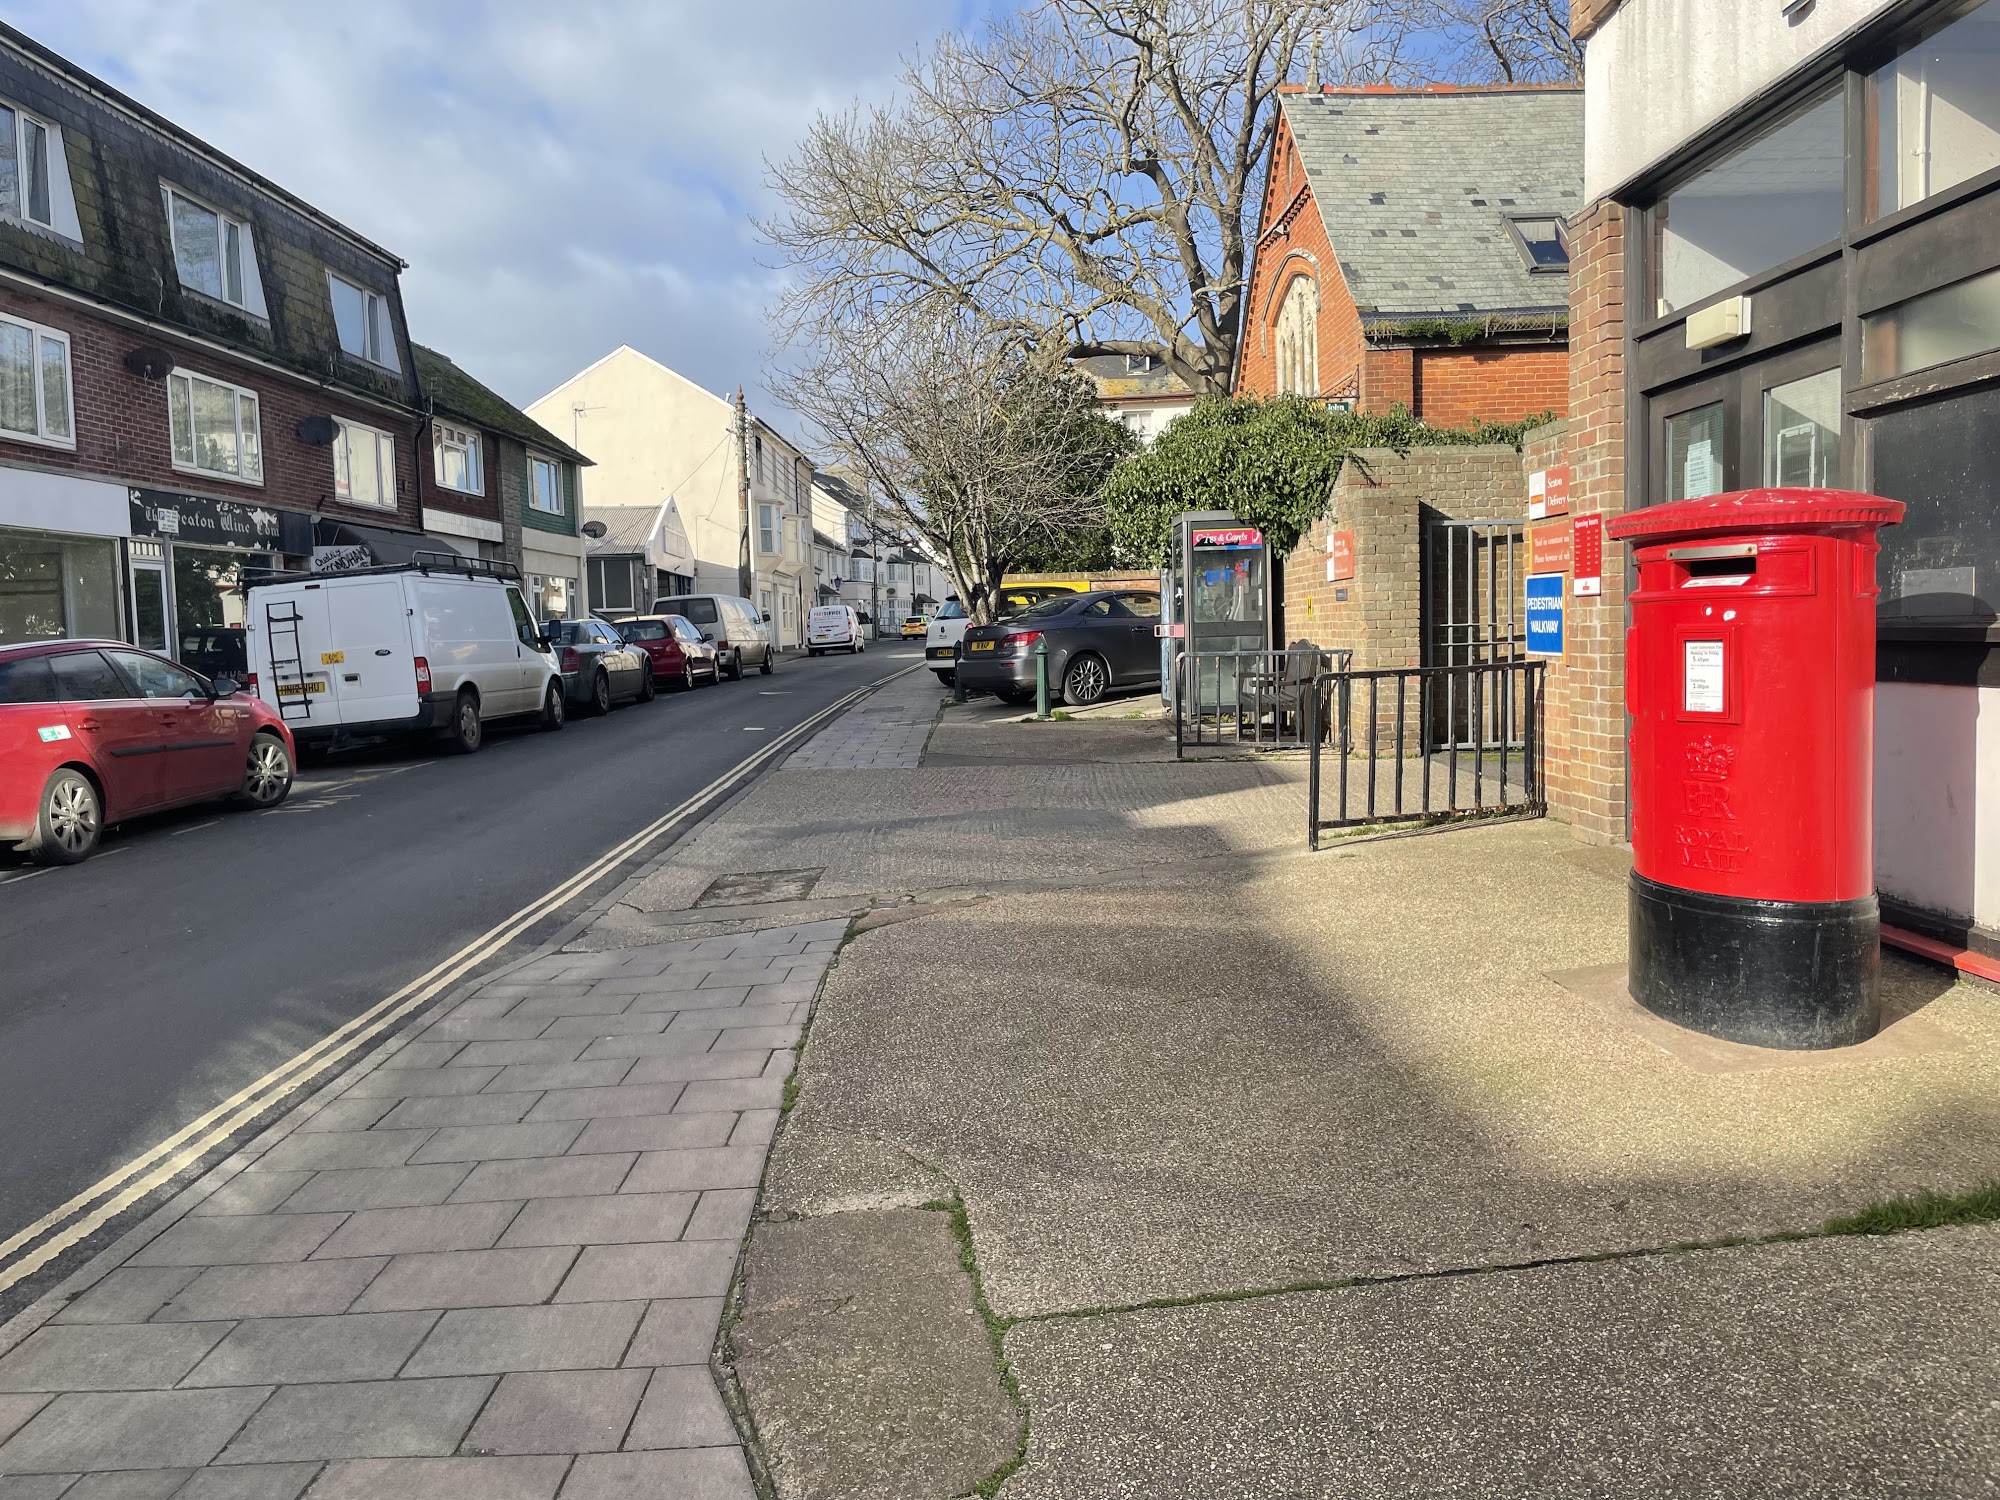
(28, 1250)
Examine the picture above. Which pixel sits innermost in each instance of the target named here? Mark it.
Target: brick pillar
(1388, 380)
(1585, 705)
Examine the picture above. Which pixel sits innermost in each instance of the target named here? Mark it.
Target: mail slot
(1750, 682)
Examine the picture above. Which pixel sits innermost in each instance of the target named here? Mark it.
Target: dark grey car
(1097, 643)
(598, 667)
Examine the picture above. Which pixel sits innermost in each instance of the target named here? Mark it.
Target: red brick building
(1413, 250)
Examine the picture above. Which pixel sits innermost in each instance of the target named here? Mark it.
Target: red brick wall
(1505, 384)
(1389, 380)
(438, 497)
(122, 432)
(1586, 695)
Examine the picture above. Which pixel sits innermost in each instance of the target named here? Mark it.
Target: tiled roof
(1115, 378)
(457, 394)
(1415, 188)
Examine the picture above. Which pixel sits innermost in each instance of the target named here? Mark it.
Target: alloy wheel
(73, 817)
(1087, 681)
(270, 771)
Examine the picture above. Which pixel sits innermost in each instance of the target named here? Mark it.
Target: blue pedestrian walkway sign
(1545, 614)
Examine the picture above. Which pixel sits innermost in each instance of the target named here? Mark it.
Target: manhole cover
(760, 885)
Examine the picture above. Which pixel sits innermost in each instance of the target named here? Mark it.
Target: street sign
(1339, 556)
(1545, 614)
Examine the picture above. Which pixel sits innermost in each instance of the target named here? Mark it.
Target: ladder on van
(282, 632)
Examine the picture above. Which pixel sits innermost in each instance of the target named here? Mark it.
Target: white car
(444, 645)
(834, 627)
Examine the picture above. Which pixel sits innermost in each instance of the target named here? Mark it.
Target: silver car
(598, 667)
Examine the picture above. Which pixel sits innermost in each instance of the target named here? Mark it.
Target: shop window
(1694, 453)
(1767, 202)
(215, 428)
(1936, 110)
(1942, 460)
(1802, 432)
(56, 586)
(35, 383)
(364, 465)
(1949, 323)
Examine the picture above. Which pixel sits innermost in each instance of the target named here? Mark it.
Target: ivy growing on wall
(1272, 464)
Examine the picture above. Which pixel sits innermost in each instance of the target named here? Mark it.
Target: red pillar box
(1750, 680)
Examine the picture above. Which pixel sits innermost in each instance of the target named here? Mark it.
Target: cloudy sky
(562, 177)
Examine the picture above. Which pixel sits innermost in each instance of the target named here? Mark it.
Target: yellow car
(915, 626)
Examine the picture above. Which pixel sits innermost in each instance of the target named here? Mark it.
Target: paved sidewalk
(884, 732)
(492, 1267)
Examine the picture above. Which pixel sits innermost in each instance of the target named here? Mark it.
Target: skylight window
(1544, 243)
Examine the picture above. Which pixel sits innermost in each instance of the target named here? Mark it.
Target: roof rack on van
(426, 563)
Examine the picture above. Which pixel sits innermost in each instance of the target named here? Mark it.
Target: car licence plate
(979, 645)
(293, 690)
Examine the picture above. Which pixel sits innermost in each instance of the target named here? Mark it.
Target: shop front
(1818, 304)
(60, 540)
(187, 561)
(552, 581)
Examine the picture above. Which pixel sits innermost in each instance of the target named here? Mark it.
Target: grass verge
(1922, 1211)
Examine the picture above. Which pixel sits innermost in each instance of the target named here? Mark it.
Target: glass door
(152, 612)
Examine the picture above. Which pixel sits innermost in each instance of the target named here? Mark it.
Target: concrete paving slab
(129, 1430)
(441, 1479)
(375, 1187)
(250, 1482)
(15, 1411)
(239, 1240)
(133, 1484)
(546, 1177)
(865, 1365)
(408, 1083)
(499, 1142)
(676, 1331)
(690, 1474)
(697, 1168)
(469, 1278)
(465, 1109)
(681, 1410)
(722, 1214)
(315, 1151)
(402, 1231)
(545, 1049)
(593, 1027)
(499, 1340)
(656, 1132)
(569, 1075)
(1841, 1367)
(757, 1127)
(598, 1104)
(302, 1289)
(702, 1067)
(131, 1294)
(615, 1219)
(257, 1191)
(571, 1411)
(34, 1486)
(606, 1273)
(362, 1419)
(346, 1114)
(740, 1093)
(276, 1351)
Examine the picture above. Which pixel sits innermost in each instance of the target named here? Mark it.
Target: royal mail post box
(1750, 681)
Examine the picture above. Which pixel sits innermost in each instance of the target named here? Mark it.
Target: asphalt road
(200, 949)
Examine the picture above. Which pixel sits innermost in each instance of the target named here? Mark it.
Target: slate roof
(457, 394)
(1116, 381)
(1415, 188)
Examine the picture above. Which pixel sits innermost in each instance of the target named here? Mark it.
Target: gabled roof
(1416, 187)
(455, 393)
(1116, 380)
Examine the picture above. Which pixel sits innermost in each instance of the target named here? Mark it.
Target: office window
(214, 427)
(209, 249)
(27, 167)
(1936, 109)
(35, 383)
(364, 465)
(361, 319)
(457, 451)
(545, 486)
(1802, 432)
(1950, 323)
(1768, 201)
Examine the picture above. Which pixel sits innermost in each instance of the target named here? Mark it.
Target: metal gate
(1474, 574)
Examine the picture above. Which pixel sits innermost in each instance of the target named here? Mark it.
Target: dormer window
(1140, 364)
(1544, 243)
(212, 253)
(27, 167)
(361, 319)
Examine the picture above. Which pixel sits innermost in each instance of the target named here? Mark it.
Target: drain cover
(760, 885)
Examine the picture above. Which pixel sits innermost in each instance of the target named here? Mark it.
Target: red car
(94, 732)
(678, 652)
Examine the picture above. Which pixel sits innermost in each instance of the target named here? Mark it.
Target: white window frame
(768, 534)
(40, 335)
(384, 446)
(448, 437)
(376, 327)
(193, 464)
(245, 269)
(555, 470)
(51, 137)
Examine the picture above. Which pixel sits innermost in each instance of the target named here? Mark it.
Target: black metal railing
(1391, 763)
(1248, 698)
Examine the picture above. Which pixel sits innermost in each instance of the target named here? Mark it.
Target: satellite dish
(150, 362)
(317, 432)
(594, 529)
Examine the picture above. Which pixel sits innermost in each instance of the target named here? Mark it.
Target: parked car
(442, 645)
(216, 651)
(1097, 642)
(598, 667)
(678, 653)
(94, 732)
(834, 627)
(915, 627)
(947, 626)
(733, 625)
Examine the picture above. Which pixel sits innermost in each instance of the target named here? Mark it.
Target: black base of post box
(1796, 974)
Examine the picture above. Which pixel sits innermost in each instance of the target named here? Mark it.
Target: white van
(730, 623)
(834, 627)
(444, 644)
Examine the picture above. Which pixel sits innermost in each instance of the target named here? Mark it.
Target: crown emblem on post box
(1710, 761)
